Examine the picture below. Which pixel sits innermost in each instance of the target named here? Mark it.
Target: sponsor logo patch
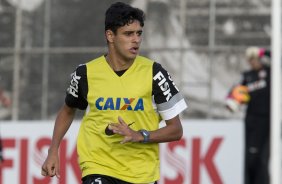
(73, 89)
(130, 104)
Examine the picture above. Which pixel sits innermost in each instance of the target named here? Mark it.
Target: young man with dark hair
(125, 96)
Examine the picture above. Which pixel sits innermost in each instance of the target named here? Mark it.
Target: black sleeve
(163, 86)
(76, 96)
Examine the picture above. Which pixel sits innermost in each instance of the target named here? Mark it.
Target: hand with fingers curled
(123, 129)
(51, 166)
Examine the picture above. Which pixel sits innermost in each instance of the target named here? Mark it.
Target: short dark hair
(119, 14)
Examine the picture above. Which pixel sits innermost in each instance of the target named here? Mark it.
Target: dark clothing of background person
(257, 126)
(1, 151)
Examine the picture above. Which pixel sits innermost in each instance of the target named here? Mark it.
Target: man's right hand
(51, 166)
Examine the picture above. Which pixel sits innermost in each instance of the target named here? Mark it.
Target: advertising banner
(211, 151)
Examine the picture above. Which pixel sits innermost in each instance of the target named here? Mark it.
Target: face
(126, 42)
(255, 63)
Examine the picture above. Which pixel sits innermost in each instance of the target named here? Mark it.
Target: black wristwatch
(145, 134)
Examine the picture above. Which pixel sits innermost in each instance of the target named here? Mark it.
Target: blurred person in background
(125, 96)
(254, 91)
(1, 151)
(5, 103)
(4, 99)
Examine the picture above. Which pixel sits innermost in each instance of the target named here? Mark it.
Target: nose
(137, 38)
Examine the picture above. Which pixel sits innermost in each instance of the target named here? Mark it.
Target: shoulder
(95, 61)
(158, 67)
(248, 73)
(158, 70)
(81, 69)
(144, 60)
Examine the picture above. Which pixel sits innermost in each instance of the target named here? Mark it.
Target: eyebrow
(139, 31)
(129, 31)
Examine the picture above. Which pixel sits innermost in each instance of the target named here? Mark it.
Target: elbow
(179, 135)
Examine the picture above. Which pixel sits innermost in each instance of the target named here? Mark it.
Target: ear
(109, 36)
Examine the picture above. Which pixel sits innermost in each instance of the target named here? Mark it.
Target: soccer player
(1, 151)
(257, 116)
(124, 96)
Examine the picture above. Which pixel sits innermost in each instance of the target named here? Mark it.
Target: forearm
(62, 124)
(171, 132)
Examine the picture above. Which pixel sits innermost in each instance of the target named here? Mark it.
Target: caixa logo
(130, 104)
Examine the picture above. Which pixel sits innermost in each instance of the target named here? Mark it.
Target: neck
(118, 64)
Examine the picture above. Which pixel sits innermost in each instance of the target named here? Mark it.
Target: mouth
(134, 50)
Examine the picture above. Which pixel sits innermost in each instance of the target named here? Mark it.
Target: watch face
(146, 135)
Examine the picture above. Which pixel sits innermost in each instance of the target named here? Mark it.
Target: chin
(132, 57)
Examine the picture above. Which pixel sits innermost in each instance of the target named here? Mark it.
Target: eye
(128, 33)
